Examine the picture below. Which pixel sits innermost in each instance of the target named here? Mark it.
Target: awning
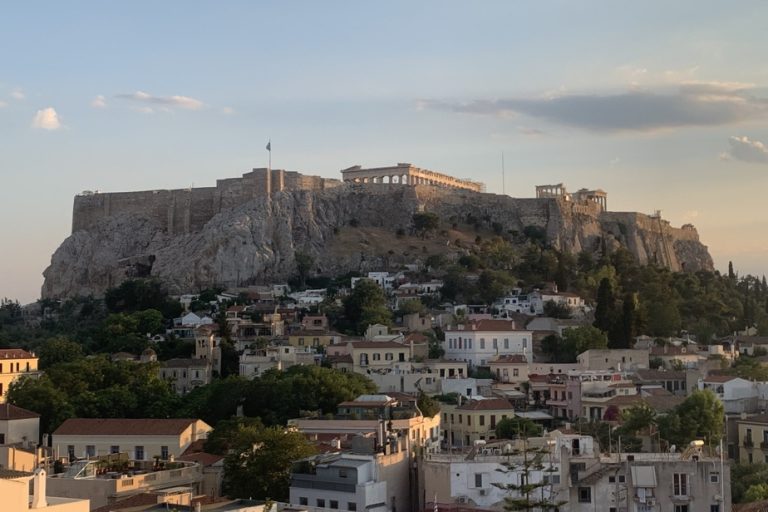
(643, 476)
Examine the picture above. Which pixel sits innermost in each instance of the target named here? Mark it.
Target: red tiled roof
(719, 378)
(202, 458)
(122, 427)
(672, 350)
(15, 353)
(377, 344)
(339, 358)
(11, 412)
(416, 337)
(489, 325)
(509, 359)
(490, 404)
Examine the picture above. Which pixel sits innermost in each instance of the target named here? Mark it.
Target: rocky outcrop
(257, 241)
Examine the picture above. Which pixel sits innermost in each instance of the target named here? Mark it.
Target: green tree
(746, 476)
(531, 493)
(584, 338)
(59, 350)
(260, 464)
(756, 492)
(556, 310)
(140, 294)
(231, 433)
(425, 222)
(427, 405)
(366, 305)
(605, 310)
(304, 263)
(700, 416)
(43, 397)
(513, 428)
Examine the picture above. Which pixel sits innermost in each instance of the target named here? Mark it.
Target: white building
(738, 395)
(255, 362)
(142, 439)
(339, 481)
(477, 343)
(384, 280)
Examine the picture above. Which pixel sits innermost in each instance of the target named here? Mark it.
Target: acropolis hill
(248, 230)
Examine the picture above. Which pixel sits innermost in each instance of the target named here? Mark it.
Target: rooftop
(11, 412)
(123, 427)
(15, 353)
(489, 404)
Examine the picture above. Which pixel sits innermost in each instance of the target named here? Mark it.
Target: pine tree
(529, 494)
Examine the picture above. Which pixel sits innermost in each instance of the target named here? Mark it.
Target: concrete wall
(21, 431)
(187, 210)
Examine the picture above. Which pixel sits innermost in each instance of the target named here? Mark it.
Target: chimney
(38, 490)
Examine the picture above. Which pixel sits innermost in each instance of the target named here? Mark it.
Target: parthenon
(407, 174)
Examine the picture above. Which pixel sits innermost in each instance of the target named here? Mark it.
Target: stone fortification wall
(183, 211)
(244, 231)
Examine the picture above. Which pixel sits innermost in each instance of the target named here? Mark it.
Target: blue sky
(662, 104)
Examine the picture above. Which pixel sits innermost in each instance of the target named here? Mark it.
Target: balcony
(748, 443)
(764, 445)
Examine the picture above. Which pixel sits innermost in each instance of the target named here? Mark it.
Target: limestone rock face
(256, 242)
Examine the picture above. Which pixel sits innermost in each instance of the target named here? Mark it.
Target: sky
(662, 104)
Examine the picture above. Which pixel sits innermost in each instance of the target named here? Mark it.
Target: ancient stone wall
(183, 211)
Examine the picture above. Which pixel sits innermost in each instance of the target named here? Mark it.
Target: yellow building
(14, 364)
(474, 420)
(313, 338)
(753, 439)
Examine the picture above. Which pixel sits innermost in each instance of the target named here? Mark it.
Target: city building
(19, 438)
(186, 374)
(480, 342)
(753, 439)
(15, 487)
(344, 481)
(474, 420)
(619, 359)
(142, 439)
(15, 363)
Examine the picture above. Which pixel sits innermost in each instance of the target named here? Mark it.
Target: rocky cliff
(349, 227)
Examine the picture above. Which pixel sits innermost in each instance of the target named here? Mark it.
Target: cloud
(18, 94)
(99, 102)
(227, 110)
(532, 132)
(692, 104)
(3, 104)
(746, 150)
(176, 101)
(46, 119)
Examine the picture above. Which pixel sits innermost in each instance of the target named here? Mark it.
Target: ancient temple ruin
(407, 174)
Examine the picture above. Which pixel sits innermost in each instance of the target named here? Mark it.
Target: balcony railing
(748, 443)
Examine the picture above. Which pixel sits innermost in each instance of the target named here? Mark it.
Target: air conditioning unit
(461, 499)
(650, 501)
(483, 492)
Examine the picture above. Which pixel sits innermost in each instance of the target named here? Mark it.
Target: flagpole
(503, 180)
(269, 149)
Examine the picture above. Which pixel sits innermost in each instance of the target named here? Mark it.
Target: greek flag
(269, 146)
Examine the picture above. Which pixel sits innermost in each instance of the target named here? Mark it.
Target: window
(320, 502)
(515, 372)
(90, 450)
(495, 345)
(714, 477)
(2, 438)
(377, 357)
(301, 342)
(139, 453)
(303, 500)
(478, 479)
(506, 344)
(334, 504)
(352, 506)
(622, 479)
(164, 452)
(681, 508)
(680, 484)
(552, 479)
(469, 420)
(71, 451)
(460, 419)
(114, 449)
(585, 495)
(714, 507)
(482, 344)
(493, 421)
(482, 420)
(389, 356)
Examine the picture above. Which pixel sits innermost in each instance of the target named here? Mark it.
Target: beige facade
(313, 338)
(19, 459)
(753, 439)
(475, 420)
(407, 174)
(15, 496)
(511, 369)
(613, 359)
(186, 374)
(141, 439)
(15, 363)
